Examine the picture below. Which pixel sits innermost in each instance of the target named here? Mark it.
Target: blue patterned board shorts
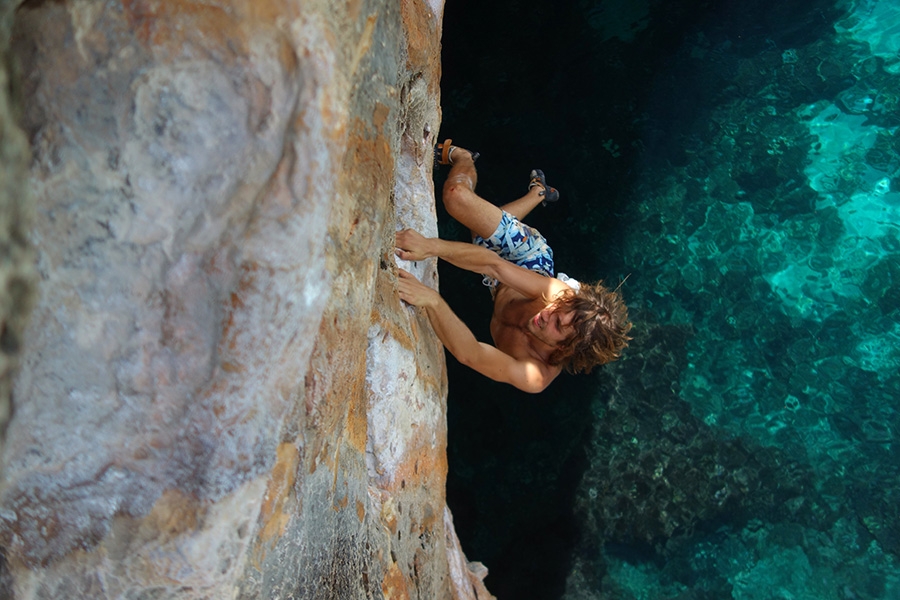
(520, 244)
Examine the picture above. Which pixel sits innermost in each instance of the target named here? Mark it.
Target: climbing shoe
(443, 153)
(550, 194)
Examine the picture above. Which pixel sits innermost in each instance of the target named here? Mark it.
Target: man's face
(552, 326)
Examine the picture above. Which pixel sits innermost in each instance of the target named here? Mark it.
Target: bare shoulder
(556, 288)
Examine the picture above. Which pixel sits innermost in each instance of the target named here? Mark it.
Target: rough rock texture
(220, 394)
(16, 259)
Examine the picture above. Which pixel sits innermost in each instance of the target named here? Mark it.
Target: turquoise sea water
(740, 163)
(770, 244)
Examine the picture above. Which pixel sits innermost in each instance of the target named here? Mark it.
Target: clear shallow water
(765, 235)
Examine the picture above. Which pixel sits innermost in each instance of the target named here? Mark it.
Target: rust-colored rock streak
(220, 395)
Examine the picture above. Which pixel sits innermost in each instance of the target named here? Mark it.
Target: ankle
(539, 182)
(536, 189)
(458, 154)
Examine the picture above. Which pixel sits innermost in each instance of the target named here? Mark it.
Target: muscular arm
(529, 375)
(411, 245)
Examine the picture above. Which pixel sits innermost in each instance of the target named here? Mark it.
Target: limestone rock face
(220, 394)
(16, 259)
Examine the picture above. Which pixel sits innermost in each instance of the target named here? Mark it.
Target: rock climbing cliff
(218, 393)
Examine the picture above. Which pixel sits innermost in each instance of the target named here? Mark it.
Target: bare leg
(524, 205)
(461, 201)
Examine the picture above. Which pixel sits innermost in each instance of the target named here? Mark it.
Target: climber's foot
(445, 152)
(550, 194)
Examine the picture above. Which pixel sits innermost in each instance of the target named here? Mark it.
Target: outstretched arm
(527, 375)
(411, 245)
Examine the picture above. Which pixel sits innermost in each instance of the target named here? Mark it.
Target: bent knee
(457, 194)
(458, 185)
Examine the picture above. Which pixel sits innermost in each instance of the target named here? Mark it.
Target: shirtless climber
(540, 324)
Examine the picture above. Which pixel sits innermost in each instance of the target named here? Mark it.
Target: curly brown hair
(601, 328)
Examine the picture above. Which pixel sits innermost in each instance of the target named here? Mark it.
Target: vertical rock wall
(220, 395)
(16, 259)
